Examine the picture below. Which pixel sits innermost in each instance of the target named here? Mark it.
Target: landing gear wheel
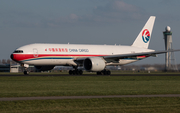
(75, 72)
(80, 72)
(26, 73)
(108, 72)
(99, 73)
(25, 69)
(104, 72)
(70, 72)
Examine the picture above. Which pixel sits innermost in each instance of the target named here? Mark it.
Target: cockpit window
(18, 51)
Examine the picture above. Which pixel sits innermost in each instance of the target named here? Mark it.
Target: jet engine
(43, 68)
(94, 64)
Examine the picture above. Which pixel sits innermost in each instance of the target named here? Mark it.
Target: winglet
(144, 36)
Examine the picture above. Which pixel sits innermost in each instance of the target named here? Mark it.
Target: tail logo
(146, 35)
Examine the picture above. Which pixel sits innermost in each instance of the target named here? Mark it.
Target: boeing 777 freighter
(93, 58)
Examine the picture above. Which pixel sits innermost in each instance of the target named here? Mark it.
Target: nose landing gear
(26, 72)
(25, 66)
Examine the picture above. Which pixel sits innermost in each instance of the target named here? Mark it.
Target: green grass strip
(107, 105)
(34, 86)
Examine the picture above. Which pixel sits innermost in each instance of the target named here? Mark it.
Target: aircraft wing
(115, 58)
(120, 56)
(112, 58)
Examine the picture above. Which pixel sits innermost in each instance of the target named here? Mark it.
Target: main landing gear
(75, 71)
(104, 72)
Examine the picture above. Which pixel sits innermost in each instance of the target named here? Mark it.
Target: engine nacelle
(94, 64)
(43, 68)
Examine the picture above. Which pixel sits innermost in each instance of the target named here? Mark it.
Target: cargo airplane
(93, 58)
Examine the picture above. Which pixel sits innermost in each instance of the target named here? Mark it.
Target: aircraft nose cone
(12, 56)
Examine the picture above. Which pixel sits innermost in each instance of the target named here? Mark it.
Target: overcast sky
(86, 22)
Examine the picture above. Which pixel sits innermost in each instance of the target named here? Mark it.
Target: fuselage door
(35, 51)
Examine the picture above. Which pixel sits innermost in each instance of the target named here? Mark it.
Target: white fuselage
(65, 54)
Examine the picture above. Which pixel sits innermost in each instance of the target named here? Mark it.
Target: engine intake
(94, 64)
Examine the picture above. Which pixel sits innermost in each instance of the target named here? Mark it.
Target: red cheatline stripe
(19, 57)
(142, 56)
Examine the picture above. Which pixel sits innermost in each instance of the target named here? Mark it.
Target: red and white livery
(91, 57)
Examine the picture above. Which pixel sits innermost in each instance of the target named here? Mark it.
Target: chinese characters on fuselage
(66, 50)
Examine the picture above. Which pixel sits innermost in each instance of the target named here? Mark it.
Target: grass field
(27, 86)
(108, 105)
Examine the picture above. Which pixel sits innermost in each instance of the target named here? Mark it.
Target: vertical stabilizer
(144, 36)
